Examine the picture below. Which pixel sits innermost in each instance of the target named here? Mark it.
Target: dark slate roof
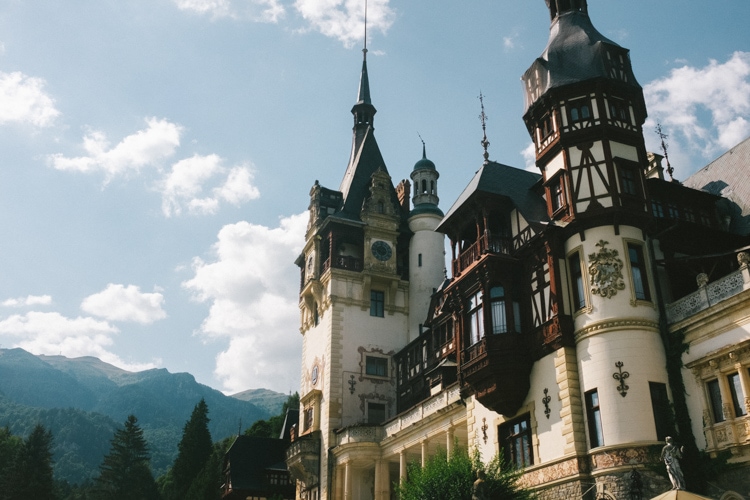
(727, 176)
(510, 182)
(250, 458)
(575, 53)
(355, 186)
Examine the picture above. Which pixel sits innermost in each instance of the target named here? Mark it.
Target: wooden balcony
(497, 368)
(343, 262)
(486, 244)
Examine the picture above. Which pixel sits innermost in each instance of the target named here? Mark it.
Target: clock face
(310, 259)
(381, 250)
(314, 375)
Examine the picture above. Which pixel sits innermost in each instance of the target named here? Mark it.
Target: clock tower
(354, 309)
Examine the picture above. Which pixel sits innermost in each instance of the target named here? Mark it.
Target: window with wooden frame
(556, 193)
(515, 442)
(375, 366)
(475, 318)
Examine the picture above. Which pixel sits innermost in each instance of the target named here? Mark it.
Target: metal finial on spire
(364, 49)
(483, 117)
(664, 147)
(424, 146)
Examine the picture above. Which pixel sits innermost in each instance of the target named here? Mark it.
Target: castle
(588, 311)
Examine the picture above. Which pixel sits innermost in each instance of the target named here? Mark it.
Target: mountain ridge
(82, 400)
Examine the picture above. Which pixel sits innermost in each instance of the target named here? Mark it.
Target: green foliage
(194, 451)
(29, 474)
(125, 472)
(453, 479)
(271, 428)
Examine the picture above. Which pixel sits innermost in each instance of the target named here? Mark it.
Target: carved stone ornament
(743, 258)
(702, 280)
(605, 270)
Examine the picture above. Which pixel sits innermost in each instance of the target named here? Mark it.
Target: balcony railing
(360, 434)
(343, 262)
(487, 243)
(424, 410)
(708, 295)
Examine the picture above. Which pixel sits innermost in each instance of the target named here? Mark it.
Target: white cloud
(252, 287)
(147, 147)
(52, 334)
(679, 101)
(125, 303)
(183, 186)
(344, 19)
(29, 300)
(23, 100)
(269, 11)
(529, 158)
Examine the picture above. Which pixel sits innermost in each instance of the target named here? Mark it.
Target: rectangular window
(738, 395)
(662, 410)
(375, 413)
(714, 396)
(476, 318)
(628, 181)
(657, 209)
(307, 422)
(377, 303)
(576, 276)
(638, 272)
(420, 260)
(376, 367)
(499, 316)
(515, 441)
(594, 417)
(557, 193)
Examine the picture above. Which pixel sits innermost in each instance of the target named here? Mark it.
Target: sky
(156, 156)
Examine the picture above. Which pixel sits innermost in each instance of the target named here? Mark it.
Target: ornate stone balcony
(360, 434)
(709, 294)
(303, 459)
(424, 410)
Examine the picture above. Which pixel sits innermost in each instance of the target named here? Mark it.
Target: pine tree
(30, 475)
(193, 453)
(10, 447)
(125, 473)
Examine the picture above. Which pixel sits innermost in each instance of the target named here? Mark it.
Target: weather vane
(483, 117)
(664, 146)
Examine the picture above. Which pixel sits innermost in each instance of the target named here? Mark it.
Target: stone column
(347, 481)
(449, 442)
(402, 465)
(726, 397)
(424, 452)
(744, 374)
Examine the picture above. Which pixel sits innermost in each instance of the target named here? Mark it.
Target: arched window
(424, 186)
(432, 187)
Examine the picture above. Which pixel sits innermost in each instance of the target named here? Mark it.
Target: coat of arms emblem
(605, 271)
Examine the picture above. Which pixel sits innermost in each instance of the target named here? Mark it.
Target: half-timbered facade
(555, 331)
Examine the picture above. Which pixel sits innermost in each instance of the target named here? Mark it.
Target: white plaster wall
(699, 349)
(360, 330)
(624, 151)
(548, 430)
(555, 165)
(423, 279)
(695, 398)
(630, 418)
(619, 306)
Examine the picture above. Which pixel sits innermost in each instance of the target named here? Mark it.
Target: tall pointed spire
(363, 110)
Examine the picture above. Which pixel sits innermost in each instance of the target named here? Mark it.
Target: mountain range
(84, 400)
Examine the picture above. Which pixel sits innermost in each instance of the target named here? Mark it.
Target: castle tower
(426, 254)
(585, 112)
(355, 301)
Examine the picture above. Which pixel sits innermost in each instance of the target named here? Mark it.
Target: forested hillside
(82, 401)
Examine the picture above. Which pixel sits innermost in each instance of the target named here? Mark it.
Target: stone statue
(671, 456)
(479, 490)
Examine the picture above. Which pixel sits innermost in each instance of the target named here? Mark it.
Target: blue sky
(156, 155)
